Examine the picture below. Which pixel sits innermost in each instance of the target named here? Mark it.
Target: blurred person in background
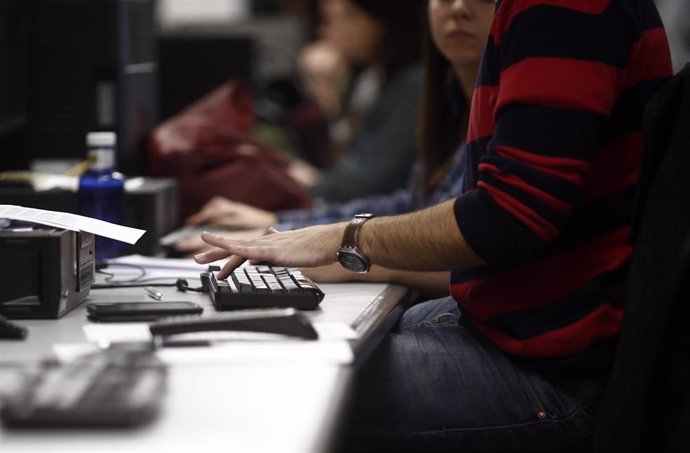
(450, 69)
(364, 72)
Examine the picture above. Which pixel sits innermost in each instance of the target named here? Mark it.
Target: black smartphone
(139, 311)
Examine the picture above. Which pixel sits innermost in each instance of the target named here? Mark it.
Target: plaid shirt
(399, 202)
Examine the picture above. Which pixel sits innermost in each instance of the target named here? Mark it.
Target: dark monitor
(13, 154)
(191, 66)
(80, 66)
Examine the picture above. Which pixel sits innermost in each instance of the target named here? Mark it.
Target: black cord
(103, 264)
(137, 281)
(138, 284)
(126, 285)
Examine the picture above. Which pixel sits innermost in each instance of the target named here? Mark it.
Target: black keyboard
(261, 287)
(115, 387)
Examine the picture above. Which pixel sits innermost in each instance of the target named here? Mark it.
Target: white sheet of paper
(160, 263)
(117, 332)
(139, 331)
(227, 347)
(159, 267)
(270, 352)
(72, 222)
(334, 331)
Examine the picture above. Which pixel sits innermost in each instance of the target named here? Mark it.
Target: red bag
(209, 148)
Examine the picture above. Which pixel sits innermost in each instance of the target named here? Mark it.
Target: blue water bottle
(101, 190)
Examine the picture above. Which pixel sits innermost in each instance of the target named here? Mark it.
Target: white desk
(278, 406)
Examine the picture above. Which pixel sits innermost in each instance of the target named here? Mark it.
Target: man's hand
(307, 247)
(222, 212)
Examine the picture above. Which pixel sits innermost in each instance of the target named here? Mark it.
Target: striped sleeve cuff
(492, 233)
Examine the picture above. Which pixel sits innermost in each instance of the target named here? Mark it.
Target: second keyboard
(263, 286)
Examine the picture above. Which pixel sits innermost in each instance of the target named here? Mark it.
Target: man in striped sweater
(516, 359)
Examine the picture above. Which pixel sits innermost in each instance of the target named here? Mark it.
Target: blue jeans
(435, 384)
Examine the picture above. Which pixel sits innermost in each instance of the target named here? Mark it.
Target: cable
(180, 283)
(100, 265)
(139, 281)
(126, 285)
(183, 286)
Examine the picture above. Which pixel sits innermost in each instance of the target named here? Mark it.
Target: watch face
(352, 262)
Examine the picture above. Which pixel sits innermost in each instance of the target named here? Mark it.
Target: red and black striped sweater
(554, 147)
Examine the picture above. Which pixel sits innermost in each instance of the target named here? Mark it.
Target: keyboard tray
(262, 287)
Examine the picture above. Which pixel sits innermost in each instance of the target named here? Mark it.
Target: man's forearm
(427, 240)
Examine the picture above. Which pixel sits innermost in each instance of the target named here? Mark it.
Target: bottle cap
(100, 139)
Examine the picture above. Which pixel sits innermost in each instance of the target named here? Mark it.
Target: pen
(153, 293)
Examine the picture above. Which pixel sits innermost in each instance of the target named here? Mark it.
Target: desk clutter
(121, 383)
(236, 371)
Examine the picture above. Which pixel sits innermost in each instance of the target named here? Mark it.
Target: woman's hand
(195, 245)
(304, 173)
(222, 212)
(325, 74)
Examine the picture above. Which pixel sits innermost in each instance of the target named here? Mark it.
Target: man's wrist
(350, 255)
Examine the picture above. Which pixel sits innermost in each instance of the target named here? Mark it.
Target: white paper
(184, 264)
(72, 222)
(67, 352)
(139, 331)
(159, 267)
(270, 352)
(226, 346)
(236, 352)
(334, 331)
(117, 332)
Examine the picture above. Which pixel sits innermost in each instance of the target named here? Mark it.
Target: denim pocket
(548, 400)
(440, 320)
(539, 409)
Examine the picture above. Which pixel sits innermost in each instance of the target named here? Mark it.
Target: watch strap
(352, 230)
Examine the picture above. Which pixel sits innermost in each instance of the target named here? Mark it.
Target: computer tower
(90, 65)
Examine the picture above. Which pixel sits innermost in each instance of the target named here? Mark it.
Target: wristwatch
(349, 255)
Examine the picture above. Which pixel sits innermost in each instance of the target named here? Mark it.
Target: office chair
(646, 406)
